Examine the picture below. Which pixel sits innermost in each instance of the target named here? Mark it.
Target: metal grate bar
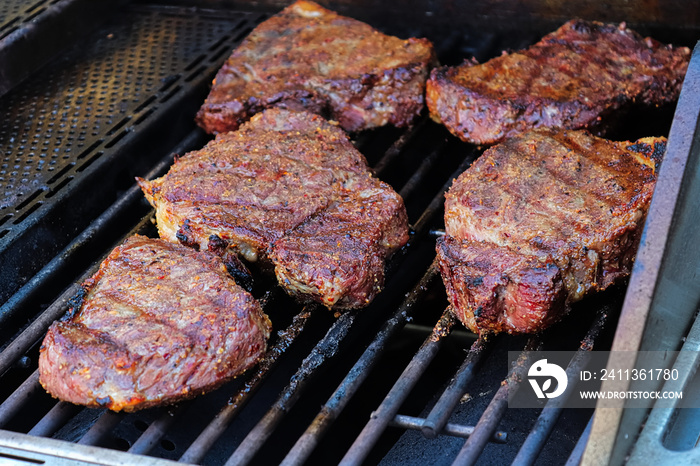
(213, 431)
(544, 425)
(324, 350)
(577, 453)
(102, 427)
(19, 397)
(357, 374)
(422, 171)
(55, 419)
(397, 147)
(436, 421)
(437, 202)
(381, 418)
(157, 430)
(493, 414)
(455, 430)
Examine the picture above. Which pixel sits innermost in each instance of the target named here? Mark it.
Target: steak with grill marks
(158, 323)
(573, 78)
(307, 57)
(287, 189)
(539, 221)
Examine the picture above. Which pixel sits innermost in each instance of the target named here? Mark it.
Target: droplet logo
(542, 369)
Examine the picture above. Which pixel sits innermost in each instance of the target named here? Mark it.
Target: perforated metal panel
(15, 12)
(54, 120)
(77, 112)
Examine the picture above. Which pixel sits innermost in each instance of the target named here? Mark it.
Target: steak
(158, 323)
(288, 190)
(541, 220)
(575, 77)
(307, 57)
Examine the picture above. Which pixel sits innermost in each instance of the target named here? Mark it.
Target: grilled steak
(312, 58)
(539, 221)
(573, 78)
(288, 188)
(158, 323)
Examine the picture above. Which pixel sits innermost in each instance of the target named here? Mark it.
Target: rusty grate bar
(455, 430)
(215, 429)
(544, 425)
(325, 349)
(357, 374)
(436, 421)
(385, 413)
(493, 414)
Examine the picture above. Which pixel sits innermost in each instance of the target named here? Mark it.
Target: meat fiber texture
(158, 323)
(541, 220)
(288, 189)
(307, 57)
(575, 77)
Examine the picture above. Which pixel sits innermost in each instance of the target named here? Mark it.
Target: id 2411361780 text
(630, 374)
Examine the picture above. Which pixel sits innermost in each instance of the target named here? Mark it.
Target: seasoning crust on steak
(573, 78)
(158, 323)
(307, 57)
(288, 188)
(541, 220)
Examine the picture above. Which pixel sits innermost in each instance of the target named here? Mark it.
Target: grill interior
(395, 383)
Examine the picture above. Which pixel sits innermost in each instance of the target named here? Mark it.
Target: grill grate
(59, 419)
(145, 74)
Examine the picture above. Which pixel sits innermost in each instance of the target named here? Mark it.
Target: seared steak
(539, 221)
(312, 58)
(159, 322)
(573, 78)
(287, 188)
